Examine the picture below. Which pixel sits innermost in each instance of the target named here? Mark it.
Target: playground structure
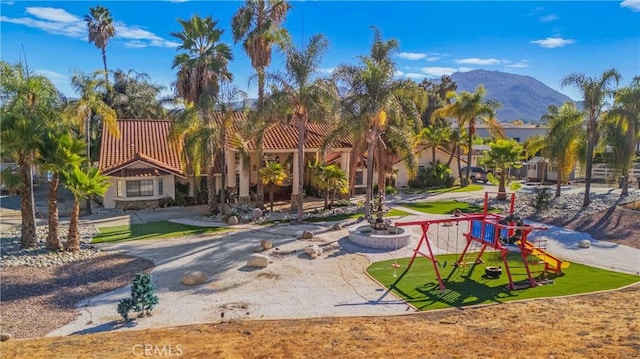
(490, 230)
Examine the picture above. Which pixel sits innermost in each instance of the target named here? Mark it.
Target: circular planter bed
(493, 272)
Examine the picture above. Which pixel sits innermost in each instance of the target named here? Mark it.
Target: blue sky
(546, 40)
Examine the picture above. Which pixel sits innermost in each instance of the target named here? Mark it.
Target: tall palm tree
(303, 97)
(202, 67)
(503, 155)
(203, 63)
(595, 92)
(100, 30)
(376, 102)
(467, 108)
(622, 129)
(563, 140)
(433, 137)
(272, 175)
(28, 103)
(258, 25)
(82, 183)
(59, 151)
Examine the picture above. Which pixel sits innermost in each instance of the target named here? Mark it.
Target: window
(359, 178)
(160, 187)
(140, 188)
(517, 139)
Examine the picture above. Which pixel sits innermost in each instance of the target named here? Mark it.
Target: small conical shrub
(143, 297)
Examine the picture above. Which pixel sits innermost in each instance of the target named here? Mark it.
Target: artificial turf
(443, 207)
(468, 285)
(151, 230)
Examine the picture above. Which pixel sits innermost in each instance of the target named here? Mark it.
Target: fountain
(379, 233)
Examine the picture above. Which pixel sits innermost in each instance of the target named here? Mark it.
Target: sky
(543, 39)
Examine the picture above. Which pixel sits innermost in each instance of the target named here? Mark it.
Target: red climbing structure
(490, 231)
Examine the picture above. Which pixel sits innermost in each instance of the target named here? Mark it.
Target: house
(424, 159)
(518, 132)
(145, 168)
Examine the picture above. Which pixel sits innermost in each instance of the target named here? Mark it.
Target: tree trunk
(382, 173)
(502, 189)
(211, 192)
(589, 164)
(223, 181)
(259, 185)
(88, 130)
(326, 198)
(355, 157)
(73, 241)
(559, 179)
(433, 156)
(106, 71)
(27, 208)
(371, 143)
(271, 195)
(53, 242)
(469, 151)
(302, 125)
(459, 164)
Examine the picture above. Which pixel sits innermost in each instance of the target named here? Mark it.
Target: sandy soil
(604, 325)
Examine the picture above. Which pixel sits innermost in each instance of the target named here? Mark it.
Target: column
(344, 162)
(243, 198)
(294, 182)
(231, 170)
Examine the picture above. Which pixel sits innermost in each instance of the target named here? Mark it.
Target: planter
(493, 272)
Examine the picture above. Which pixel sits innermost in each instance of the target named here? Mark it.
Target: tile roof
(140, 140)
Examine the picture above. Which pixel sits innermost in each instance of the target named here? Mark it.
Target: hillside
(522, 97)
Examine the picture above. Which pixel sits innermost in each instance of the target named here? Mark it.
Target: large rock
(233, 220)
(585, 243)
(307, 235)
(5, 336)
(337, 227)
(313, 251)
(266, 243)
(258, 261)
(193, 277)
(256, 213)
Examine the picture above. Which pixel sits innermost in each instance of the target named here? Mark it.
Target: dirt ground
(604, 325)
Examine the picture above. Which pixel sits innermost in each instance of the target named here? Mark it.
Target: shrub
(143, 297)
(541, 198)
(390, 190)
(438, 176)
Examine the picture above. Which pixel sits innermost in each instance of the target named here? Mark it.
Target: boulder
(193, 277)
(5, 336)
(232, 220)
(256, 213)
(258, 261)
(337, 227)
(313, 251)
(585, 243)
(307, 235)
(266, 243)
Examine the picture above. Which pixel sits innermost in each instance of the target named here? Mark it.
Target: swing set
(488, 230)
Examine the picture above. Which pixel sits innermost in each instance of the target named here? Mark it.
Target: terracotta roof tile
(140, 140)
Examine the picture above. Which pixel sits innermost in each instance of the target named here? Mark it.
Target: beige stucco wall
(424, 159)
(110, 198)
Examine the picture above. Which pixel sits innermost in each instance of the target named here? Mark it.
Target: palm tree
(28, 102)
(298, 95)
(59, 151)
(203, 63)
(595, 92)
(82, 183)
(434, 136)
(375, 103)
(133, 96)
(202, 66)
(335, 182)
(272, 175)
(258, 25)
(503, 155)
(468, 108)
(563, 140)
(100, 30)
(622, 129)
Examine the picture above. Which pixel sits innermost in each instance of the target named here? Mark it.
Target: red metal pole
(433, 258)
(513, 203)
(504, 253)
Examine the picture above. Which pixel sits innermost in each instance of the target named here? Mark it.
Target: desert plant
(541, 199)
(143, 297)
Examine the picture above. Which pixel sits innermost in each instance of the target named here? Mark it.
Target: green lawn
(443, 207)
(469, 188)
(151, 230)
(340, 217)
(469, 285)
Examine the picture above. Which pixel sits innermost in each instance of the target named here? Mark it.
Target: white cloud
(553, 42)
(60, 22)
(633, 5)
(438, 71)
(520, 64)
(327, 70)
(398, 73)
(412, 55)
(478, 61)
(432, 58)
(465, 69)
(413, 75)
(548, 18)
(51, 75)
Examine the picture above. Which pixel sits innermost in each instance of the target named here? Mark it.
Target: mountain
(522, 97)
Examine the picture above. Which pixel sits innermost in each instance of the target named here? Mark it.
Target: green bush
(438, 176)
(542, 198)
(390, 190)
(143, 297)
